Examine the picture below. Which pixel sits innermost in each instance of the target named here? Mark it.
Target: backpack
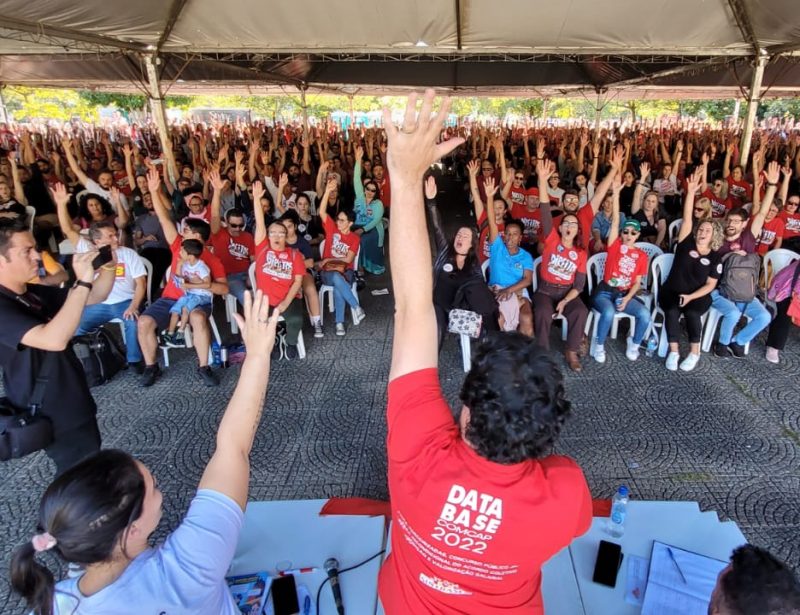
(100, 354)
(739, 280)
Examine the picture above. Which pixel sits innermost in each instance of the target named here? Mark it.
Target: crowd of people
(271, 215)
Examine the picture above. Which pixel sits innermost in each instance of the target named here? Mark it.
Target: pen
(286, 573)
(674, 561)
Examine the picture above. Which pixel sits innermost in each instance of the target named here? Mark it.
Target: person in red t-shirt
(791, 218)
(465, 493)
(531, 217)
(156, 317)
(739, 191)
(233, 245)
(771, 237)
(562, 275)
(625, 267)
(279, 272)
(721, 203)
(338, 259)
(499, 207)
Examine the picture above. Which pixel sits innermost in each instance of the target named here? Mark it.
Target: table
(291, 534)
(680, 524)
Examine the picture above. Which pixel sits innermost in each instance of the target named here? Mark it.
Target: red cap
(532, 192)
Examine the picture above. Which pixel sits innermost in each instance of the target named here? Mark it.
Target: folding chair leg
(301, 346)
(466, 354)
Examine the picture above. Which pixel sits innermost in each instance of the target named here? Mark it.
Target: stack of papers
(680, 582)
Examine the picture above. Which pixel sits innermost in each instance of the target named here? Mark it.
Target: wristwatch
(87, 285)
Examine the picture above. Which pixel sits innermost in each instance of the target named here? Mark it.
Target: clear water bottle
(216, 354)
(652, 344)
(224, 356)
(619, 510)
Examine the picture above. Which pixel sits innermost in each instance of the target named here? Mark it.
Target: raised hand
(430, 187)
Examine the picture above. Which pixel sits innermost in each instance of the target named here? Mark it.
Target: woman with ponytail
(100, 515)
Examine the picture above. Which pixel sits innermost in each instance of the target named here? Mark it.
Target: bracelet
(87, 285)
(773, 185)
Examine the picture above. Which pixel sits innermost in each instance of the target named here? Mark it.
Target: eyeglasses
(795, 203)
(231, 225)
(277, 233)
(571, 199)
(570, 224)
(370, 189)
(519, 177)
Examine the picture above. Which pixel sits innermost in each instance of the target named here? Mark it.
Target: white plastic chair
(326, 289)
(672, 233)
(774, 261)
(312, 197)
(301, 344)
(31, 215)
(660, 268)
(595, 267)
(188, 332)
(535, 285)
(652, 251)
(713, 318)
(230, 309)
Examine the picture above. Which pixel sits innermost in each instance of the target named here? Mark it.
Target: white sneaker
(318, 333)
(632, 350)
(340, 328)
(773, 355)
(690, 362)
(358, 315)
(598, 352)
(672, 361)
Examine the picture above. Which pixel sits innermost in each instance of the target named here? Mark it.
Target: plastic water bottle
(216, 354)
(619, 510)
(223, 355)
(652, 344)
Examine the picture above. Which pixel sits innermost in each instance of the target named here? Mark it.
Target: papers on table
(680, 582)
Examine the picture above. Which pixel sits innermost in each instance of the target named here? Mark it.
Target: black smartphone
(284, 596)
(102, 258)
(609, 560)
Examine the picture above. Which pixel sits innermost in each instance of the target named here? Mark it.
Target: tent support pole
(737, 108)
(597, 110)
(545, 105)
(304, 107)
(754, 96)
(157, 102)
(3, 109)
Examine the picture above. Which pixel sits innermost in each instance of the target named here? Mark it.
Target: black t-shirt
(690, 269)
(648, 230)
(310, 230)
(626, 199)
(67, 400)
(13, 207)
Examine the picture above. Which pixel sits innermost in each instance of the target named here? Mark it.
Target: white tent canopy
(688, 48)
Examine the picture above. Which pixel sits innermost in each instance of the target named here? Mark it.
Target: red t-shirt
(559, 264)
(719, 207)
(469, 535)
(276, 270)
(483, 237)
(517, 195)
(769, 234)
(792, 222)
(624, 265)
(234, 252)
(740, 192)
(214, 264)
(338, 244)
(385, 188)
(532, 220)
(586, 217)
(121, 182)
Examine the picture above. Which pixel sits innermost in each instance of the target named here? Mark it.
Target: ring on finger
(408, 131)
(263, 320)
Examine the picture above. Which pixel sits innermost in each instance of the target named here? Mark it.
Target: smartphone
(284, 596)
(102, 258)
(681, 301)
(609, 560)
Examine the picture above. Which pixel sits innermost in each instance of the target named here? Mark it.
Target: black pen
(674, 561)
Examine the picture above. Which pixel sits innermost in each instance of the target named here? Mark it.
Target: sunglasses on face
(629, 233)
(519, 177)
(571, 200)
(370, 189)
(231, 225)
(795, 203)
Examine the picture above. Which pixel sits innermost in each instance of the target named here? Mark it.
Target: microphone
(332, 568)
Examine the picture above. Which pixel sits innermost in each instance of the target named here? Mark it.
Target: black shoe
(737, 350)
(723, 351)
(209, 378)
(291, 352)
(150, 375)
(137, 366)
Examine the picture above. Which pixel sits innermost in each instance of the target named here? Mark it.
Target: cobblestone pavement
(726, 435)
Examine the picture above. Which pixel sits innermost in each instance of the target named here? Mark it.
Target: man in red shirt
(233, 245)
(156, 317)
(531, 217)
(478, 504)
(279, 274)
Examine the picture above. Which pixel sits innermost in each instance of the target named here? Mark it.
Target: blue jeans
(237, 284)
(732, 311)
(100, 313)
(603, 302)
(342, 293)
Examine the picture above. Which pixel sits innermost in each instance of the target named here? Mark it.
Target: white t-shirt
(93, 186)
(129, 267)
(185, 575)
(200, 270)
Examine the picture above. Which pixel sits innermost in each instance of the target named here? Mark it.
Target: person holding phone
(102, 512)
(38, 321)
(694, 274)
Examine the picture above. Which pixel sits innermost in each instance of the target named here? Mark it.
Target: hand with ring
(258, 331)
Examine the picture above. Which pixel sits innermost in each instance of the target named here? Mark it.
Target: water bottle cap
(623, 490)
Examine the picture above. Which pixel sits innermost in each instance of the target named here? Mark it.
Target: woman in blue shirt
(369, 219)
(101, 513)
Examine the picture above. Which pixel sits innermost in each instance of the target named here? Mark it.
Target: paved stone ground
(726, 435)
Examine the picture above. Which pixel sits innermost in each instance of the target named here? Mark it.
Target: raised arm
(490, 188)
(616, 188)
(228, 470)
(123, 217)
(757, 222)
(126, 151)
(358, 186)
(477, 202)
(692, 185)
(726, 164)
(260, 233)
(411, 151)
(433, 212)
(61, 198)
(330, 186)
(601, 190)
(19, 191)
(161, 209)
(67, 145)
(544, 169)
(218, 184)
(636, 204)
(787, 176)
